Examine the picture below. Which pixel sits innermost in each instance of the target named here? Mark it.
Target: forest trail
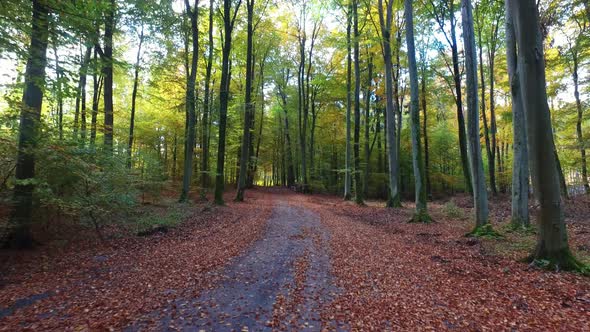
(283, 280)
(282, 261)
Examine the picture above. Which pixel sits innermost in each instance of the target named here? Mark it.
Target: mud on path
(281, 283)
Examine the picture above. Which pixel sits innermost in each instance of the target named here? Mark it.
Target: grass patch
(160, 220)
(485, 231)
(452, 211)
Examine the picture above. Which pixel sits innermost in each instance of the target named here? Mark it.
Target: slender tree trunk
(421, 212)
(385, 22)
(108, 76)
(579, 132)
(347, 175)
(358, 188)
(480, 196)
(205, 178)
(189, 147)
(228, 26)
(82, 95)
(59, 91)
(459, 103)
(368, 94)
(489, 151)
(520, 163)
(425, 134)
(246, 137)
(552, 243)
(133, 101)
(30, 115)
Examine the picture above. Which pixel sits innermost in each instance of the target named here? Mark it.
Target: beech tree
(385, 22)
(30, 116)
(552, 243)
(421, 212)
(230, 12)
(480, 195)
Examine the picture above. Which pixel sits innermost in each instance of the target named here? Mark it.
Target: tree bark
(421, 212)
(358, 188)
(205, 178)
(229, 18)
(478, 178)
(133, 101)
(368, 94)
(249, 107)
(579, 132)
(385, 20)
(520, 163)
(108, 76)
(347, 167)
(552, 241)
(190, 101)
(30, 117)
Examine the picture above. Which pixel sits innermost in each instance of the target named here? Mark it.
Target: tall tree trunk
(108, 76)
(385, 20)
(579, 132)
(520, 163)
(228, 27)
(486, 129)
(552, 242)
(421, 212)
(459, 104)
(133, 101)
(347, 167)
(59, 90)
(368, 94)
(82, 95)
(247, 135)
(205, 178)
(30, 115)
(358, 188)
(425, 133)
(480, 195)
(189, 147)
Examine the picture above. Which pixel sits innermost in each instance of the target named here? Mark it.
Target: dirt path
(282, 281)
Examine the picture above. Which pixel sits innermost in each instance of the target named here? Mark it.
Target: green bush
(91, 187)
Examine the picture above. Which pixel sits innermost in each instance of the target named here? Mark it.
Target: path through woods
(283, 261)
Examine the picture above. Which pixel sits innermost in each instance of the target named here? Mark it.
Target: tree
(134, 98)
(480, 196)
(189, 146)
(249, 109)
(205, 178)
(442, 12)
(229, 19)
(347, 167)
(552, 242)
(520, 163)
(385, 20)
(358, 191)
(30, 116)
(421, 213)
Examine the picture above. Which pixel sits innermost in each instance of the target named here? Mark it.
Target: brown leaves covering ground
(106, 287)
(399, 276)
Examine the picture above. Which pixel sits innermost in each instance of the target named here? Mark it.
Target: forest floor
(285, 261)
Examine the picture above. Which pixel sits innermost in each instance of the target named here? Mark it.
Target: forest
(270, 165)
